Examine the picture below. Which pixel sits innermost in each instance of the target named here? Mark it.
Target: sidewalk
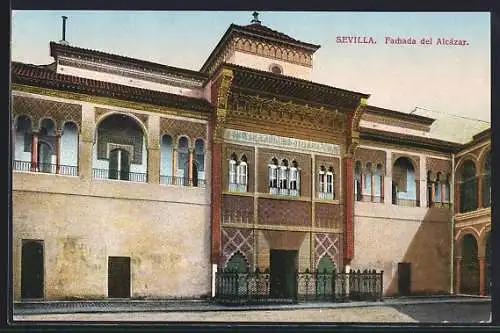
(126, 305)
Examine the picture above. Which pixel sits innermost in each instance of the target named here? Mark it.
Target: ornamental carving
(436, 165)
(356, 116)
(273, 51)
(176, 128)
(272, 110)
(372, 156)
(38, 109)
(328, 244)
(222, 101)
(100, 112)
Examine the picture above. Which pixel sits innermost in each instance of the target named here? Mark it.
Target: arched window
(322, 182)
(23, 141)
(120, 135)
(166, 157)
(119, 164)
(468, 187)
(487, 181)
(367, 182)
(294, 175)
(330, 184)
(199, 160)
(273, 176)
(243, 175)
(45, 158)
(183, 161)
(357, 181)
(233, 184)
(404, 183)
(69, 150)
(437, 188)
(276, 69)
(283, 177)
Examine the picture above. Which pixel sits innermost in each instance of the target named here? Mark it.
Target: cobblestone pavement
(435, 313)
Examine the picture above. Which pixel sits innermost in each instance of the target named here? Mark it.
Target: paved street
(436, 312)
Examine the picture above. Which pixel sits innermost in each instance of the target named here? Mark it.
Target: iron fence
(182, 181)
(234, 287)
(28, 166)
(120, 175)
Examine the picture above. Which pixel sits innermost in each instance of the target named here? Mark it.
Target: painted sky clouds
(453, 79)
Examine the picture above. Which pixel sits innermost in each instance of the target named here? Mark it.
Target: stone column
(190, 166)
(479, 194)
(348, 210)
(153, 144)
(443, 193)
(372, 186)
(457, 198)
(388, 179)
(58, 151)
(433, 194)
(174, 166)
(481, 276)
(34, 151)
(361, 182)
(458, 269)
(86, 142)
(382, 186)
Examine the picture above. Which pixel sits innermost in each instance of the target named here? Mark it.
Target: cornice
(110, 101)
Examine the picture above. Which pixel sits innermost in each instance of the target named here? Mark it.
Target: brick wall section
(304, 164)
(240, 205)
(284, 212)
(328, 215)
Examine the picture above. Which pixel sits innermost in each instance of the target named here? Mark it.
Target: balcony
(67, 170)
(283, 192)
(369, 198)
(119, 175)
(182, 181)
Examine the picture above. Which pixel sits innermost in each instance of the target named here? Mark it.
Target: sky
(442, 79)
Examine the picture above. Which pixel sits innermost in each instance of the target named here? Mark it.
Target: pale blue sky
(451, 79)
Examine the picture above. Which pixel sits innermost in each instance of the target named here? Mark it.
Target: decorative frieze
(38, 109)
(274, 111)
(175, 128)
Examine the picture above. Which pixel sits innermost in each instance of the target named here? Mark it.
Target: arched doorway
(325, 270)
(469, 279)
(119, 164)
(32, 269)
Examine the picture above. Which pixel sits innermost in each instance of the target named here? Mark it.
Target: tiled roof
(406, 139)
(399, 115)
(41, 76)
(57, 49)
(264, 31)
(304, 91)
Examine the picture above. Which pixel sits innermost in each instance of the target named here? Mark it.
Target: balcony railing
(326, 196)
(67, 170)
(120, 175)
(181, 181)
(236, 187)
(439, 204)
(369, 198)
(284, 192)
(407, 203)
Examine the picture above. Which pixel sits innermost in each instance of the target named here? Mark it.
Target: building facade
(135, 179)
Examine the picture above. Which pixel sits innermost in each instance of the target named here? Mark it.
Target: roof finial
(63, 40)
(255, 19)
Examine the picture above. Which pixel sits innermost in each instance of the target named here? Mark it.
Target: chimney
(63, 40)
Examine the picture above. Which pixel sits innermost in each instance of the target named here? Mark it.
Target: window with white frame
(232, 171)
(273, 176)
(238, 174)
(283, 178)
(242, 176)
(326, 183)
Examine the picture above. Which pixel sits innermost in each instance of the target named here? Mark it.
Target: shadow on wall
(428, 256)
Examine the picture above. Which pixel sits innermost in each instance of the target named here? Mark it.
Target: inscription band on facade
(280, 141)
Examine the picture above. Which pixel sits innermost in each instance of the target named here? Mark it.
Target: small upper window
(276, 69)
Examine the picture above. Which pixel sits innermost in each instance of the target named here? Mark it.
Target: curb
(55, 307)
